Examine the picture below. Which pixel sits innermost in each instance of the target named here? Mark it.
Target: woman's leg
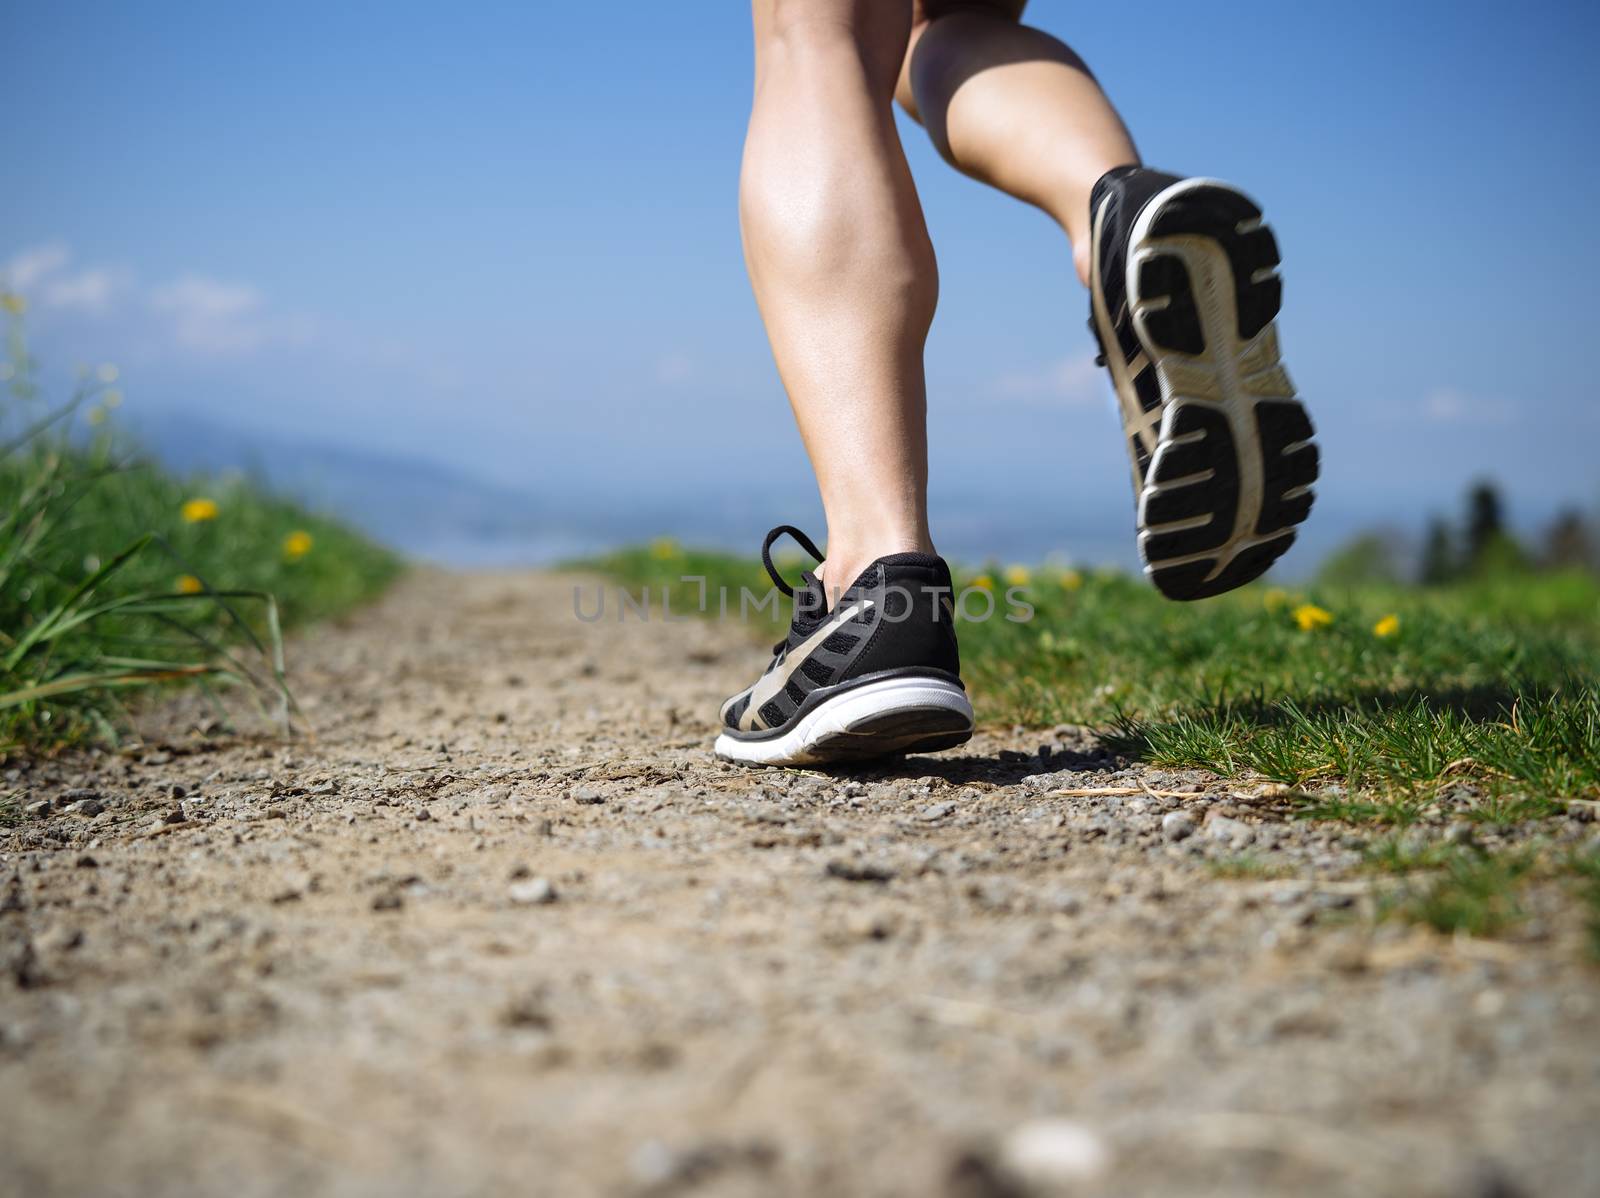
(841, 264)
(1013, 107)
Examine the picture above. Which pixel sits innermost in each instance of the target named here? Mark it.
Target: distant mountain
(411, 503)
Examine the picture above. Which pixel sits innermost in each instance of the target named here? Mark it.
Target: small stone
(176, 815)
(87, 862)
(424, 815)
(1047, 1154)
(1459, 832)
(277, 813)
(1230, 831)
(389, 900)
(39, 809)
(587, 795)
(519, 872)
(61, 938)
(89, 807)
(1177, 825)
(177, 791)
(532, 892)
(935, 811)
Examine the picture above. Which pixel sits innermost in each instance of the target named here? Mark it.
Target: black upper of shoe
(896, 615)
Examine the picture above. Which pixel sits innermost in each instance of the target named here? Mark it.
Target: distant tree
(1369, 558)
(1439, 561)
(1485, 519)
(1568, 544)
(1490, 548)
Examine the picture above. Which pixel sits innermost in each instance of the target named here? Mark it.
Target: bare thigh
(923, 11)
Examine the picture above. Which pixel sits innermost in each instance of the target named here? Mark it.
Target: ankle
(846, 560)
(1081, 251)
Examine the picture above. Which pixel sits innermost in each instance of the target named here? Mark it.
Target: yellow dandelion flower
(1018, 576)
(188, 584)
(297, 544)
(1387, 626)
(1275, 599)
(194, 511)
(983, 582)
(13, 303)
(1310, 617)
(664, 549)
(1069, 580)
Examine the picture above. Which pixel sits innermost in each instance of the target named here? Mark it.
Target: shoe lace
(806, 577)
(801, 539)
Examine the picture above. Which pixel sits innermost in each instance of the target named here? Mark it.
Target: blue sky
(503, 236)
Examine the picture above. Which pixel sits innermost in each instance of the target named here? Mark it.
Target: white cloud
(84, 291)
(193, 313)
(35, 263)
(41, 273)
(211, 316)
(1451, 405)
(1071, 383)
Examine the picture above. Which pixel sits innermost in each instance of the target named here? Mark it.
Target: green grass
(1248, 867)
(106, 586)
(1463, 890)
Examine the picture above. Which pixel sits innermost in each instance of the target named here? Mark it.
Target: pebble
(39, 809)
(1048, 1153)
(532, 892)
(586, 795)
(934, 811)
(1177, 825)
(1230, 831)
(88, 807)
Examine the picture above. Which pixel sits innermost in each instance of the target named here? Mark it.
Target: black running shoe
(1183, 291)
(877, 676)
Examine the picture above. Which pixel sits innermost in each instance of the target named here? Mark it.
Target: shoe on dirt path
(1183, 291)
(879, 675)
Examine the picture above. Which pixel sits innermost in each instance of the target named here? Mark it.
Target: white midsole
(839, 715)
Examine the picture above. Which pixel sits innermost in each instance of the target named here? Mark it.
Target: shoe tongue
(810, 606)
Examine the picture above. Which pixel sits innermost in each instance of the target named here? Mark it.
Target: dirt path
(505, 927)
